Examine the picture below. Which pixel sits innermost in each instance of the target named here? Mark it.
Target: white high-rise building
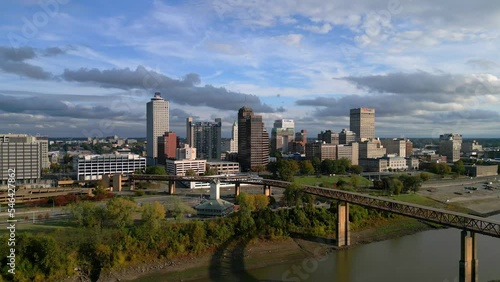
(157, 125)
(282, 133)
(233, 145)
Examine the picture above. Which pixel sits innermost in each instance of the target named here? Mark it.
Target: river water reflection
(426, 256)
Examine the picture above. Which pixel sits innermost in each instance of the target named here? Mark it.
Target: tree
(293, 195)
(356, 169)
(258, 169)
(87, 214)
(306, 167)
(328, 166)
(152, 215)
(211, 171)
(287, 169)
(397, 186)
(316, 162)
(178, 208)
(120, 212)
(190, 172)
(424, 176)
(156, 170)
(411, 183)
(246, 202)
(388, 184)
(440, 168)
(260, 202)
(459, 167)
(343, 165)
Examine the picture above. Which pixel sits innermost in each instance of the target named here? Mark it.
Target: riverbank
(236, 257)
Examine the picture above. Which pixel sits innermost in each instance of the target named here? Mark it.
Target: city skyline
(71, 69)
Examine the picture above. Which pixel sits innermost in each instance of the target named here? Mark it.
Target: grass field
(424, 201)
(328, 181)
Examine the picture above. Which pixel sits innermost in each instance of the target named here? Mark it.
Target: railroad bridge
(469, 224)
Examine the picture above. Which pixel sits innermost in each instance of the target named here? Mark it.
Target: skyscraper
(206, 138)
(157, 125)
(282, 133)
(167, 147)
(450, 145)
(253, 140)
(362, 122)
(233, 145)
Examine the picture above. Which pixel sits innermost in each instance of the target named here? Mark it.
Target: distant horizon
(228, 137)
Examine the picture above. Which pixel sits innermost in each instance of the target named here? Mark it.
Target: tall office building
(362, 122)
(233, 143)
(189, 132)
(450, 145)
(282, 133)
(26, 154)
(167, 147)
(253, 140)
(206, 138)
(157, 124)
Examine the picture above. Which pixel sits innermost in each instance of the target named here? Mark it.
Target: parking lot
(479, 194)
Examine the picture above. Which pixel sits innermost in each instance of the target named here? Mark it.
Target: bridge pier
(236, 189)
(468, 258)
(171, 187)
(131, 184)
(343, 236)
(267, 190)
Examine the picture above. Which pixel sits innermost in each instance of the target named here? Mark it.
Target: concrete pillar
(267, 190)
(171, 187)
(475, 261)
(131, 184)
(106, 180)
(237, 189)
(117, 182)
(343, 236)
(465, 267)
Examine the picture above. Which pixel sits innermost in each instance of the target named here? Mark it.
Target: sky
(87, 68)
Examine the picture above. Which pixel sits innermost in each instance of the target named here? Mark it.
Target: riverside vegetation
(101, 238)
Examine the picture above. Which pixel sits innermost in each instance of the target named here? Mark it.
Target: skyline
(71, 69)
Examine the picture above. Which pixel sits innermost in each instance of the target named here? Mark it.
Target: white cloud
(323, 29)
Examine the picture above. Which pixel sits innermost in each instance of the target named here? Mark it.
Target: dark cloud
(51, 106)
(440, 88)
(181, 91)
(12, 61)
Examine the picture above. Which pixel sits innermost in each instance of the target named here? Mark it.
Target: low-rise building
(481, 170)
(224, 167)
(180, 167)
(373, 165)
(93, 167)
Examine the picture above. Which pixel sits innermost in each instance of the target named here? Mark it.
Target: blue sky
(78, 68)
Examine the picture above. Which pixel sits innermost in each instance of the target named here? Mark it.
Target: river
(426, 256)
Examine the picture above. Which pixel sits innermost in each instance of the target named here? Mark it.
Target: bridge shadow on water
(228, 263)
